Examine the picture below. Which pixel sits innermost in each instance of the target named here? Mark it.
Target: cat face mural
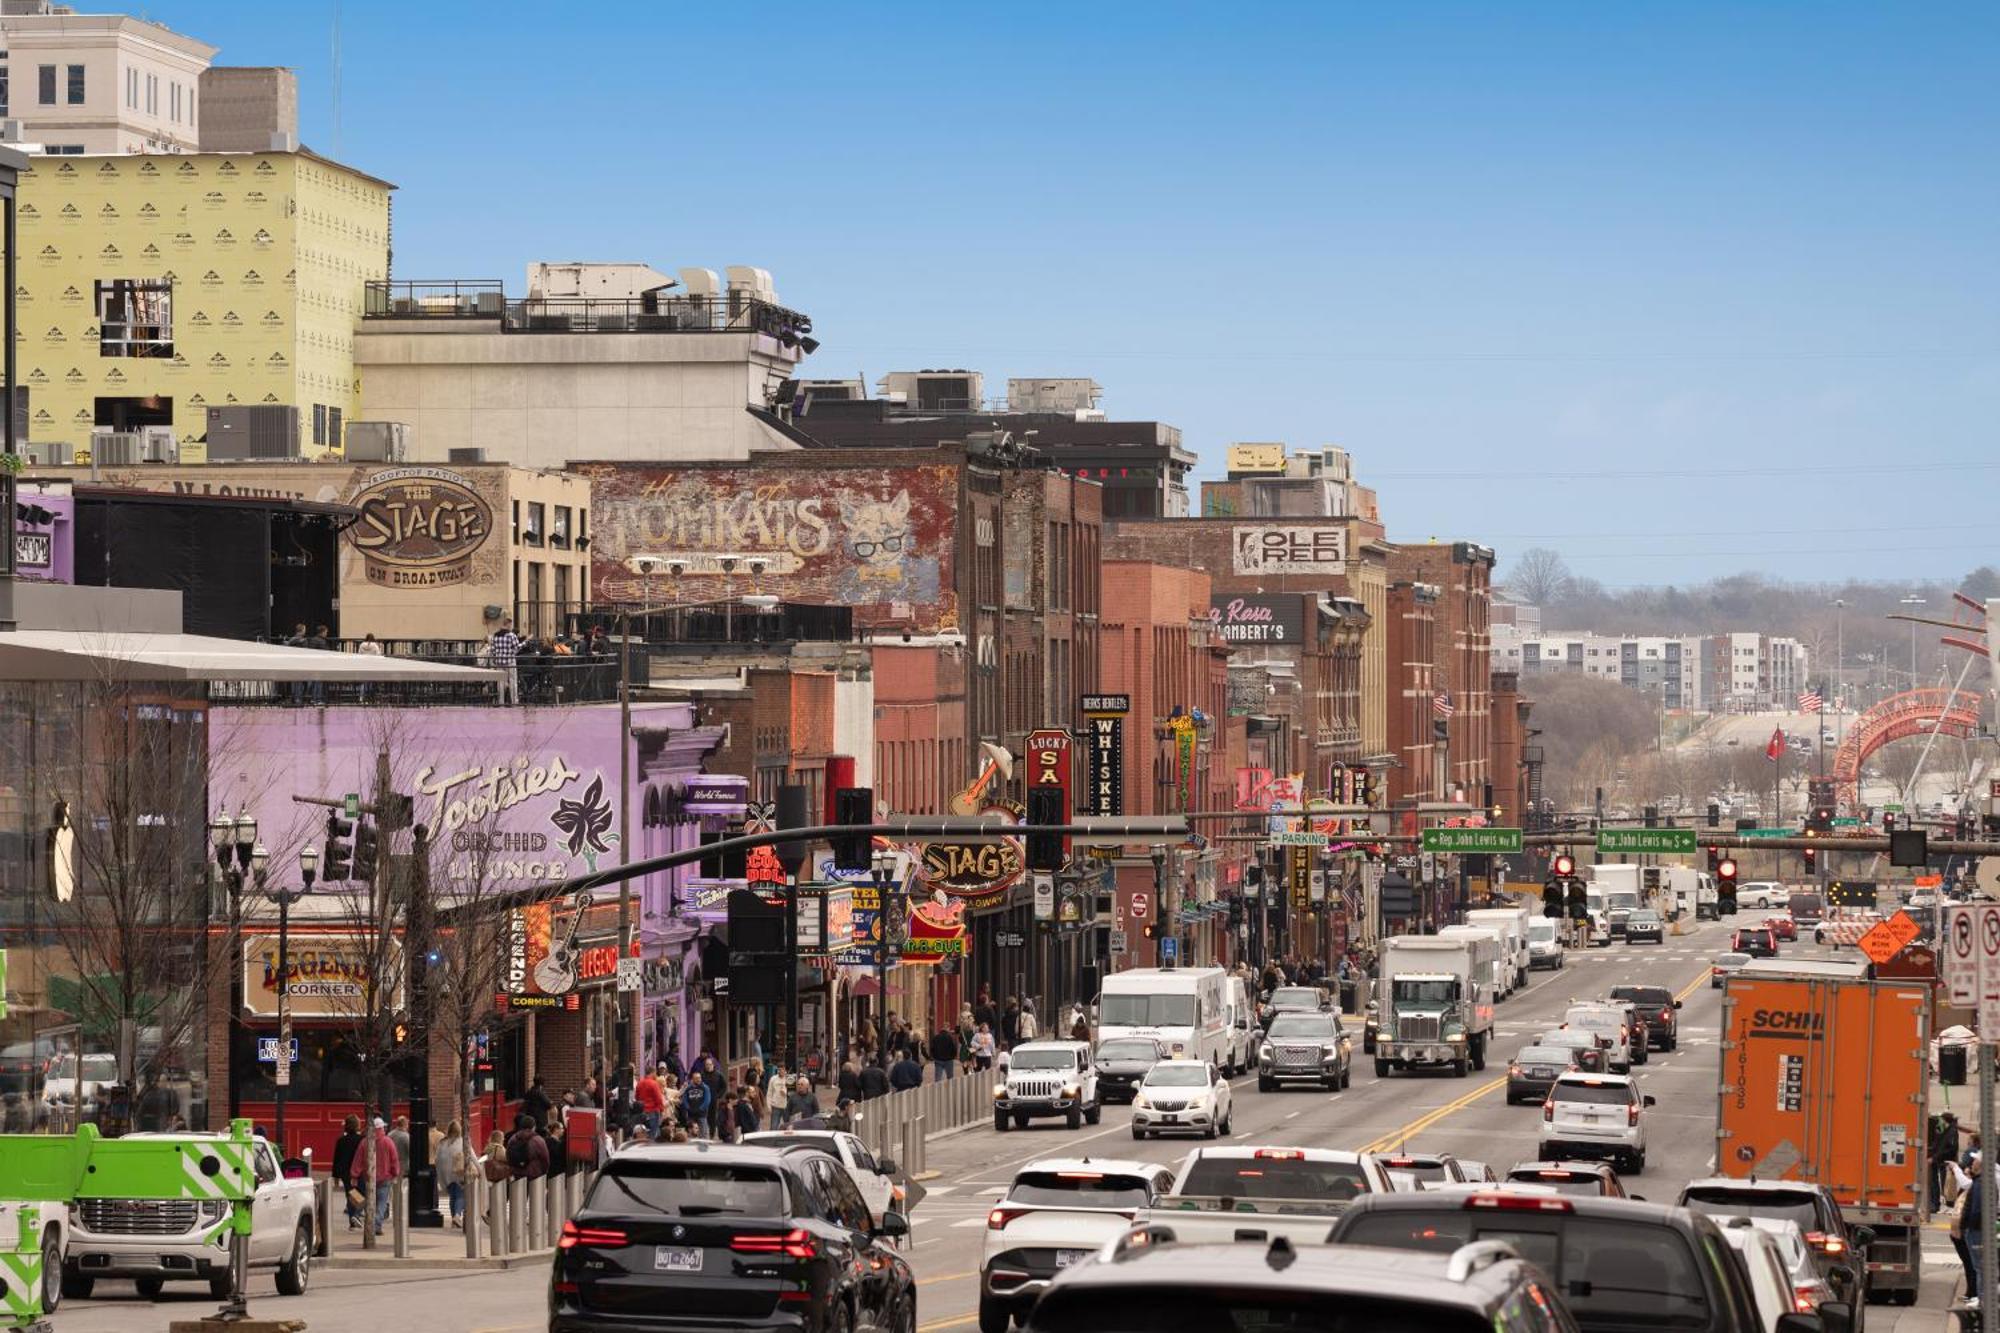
(878, 531)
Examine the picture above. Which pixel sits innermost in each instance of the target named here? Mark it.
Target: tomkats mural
(512, 797)
(878, 539)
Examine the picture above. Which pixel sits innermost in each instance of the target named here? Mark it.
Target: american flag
(1810, 701)
(1442, 706)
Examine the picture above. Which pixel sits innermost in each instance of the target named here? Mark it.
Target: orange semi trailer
(1824, 1079)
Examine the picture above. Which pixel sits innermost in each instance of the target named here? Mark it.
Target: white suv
(1596, 1116)
(1762, 893)
(1058, 1212)
(1182, 1097)
(1047, 1078)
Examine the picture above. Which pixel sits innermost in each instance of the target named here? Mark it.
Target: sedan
(1123, 1062)
(1645, 927)
(1591, 1179)
(1783, 927)
(1535, 1069)
(1725, 965)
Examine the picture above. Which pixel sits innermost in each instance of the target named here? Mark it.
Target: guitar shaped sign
(557, 973)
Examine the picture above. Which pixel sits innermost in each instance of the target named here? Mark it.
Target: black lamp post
(284, 898)
(238, 857)
(882, 870)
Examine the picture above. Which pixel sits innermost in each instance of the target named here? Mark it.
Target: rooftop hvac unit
(263, 432)
(1052, 395)
(158, 445)
(833, 391)
(377, 441)
(473, 454)
(937, 390)
(116, 448)
(51, 453)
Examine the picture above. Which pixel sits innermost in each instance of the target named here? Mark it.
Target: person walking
(451, 1173)
(1027, 1027)
(749, 1111)
(344, 1150)
(777, 1098)
(651, 1099)
(874, 1081)
(1944, 1150)
(849, 1082)
(906, 1073)
(802, 1104)
(387, 1173)
(695, 1100)
(493, 1162)
(527, 1153)
(535, 1102)
(503, 651)
(944, 1055)
(1971, 1216)
(983, 1048)
(1010, 1024)
(400, 1136)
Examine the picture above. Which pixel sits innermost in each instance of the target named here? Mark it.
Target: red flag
(1777, 745)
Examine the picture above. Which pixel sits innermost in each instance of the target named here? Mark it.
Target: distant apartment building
(596, 361)
(1738, 672)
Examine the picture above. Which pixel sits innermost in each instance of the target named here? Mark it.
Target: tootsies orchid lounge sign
(512, 797)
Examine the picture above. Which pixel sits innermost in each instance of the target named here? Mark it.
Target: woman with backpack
(451, 1174)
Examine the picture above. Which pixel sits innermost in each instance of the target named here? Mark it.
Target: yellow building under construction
(153, 288)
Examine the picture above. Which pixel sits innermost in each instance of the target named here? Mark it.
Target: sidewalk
(430, 1247)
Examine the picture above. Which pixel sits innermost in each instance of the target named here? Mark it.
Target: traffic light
(1714, 815)
(1888, 821)
(1045, 806)
(1821, 820)
(1152, 930)
(1563, 866)
(367, 850)
(1714, 859)
(855, 808)
(1552, 898)
(1579, 901)
(397, 811)
(1811, 857)
(338, 863)
(1725, 886)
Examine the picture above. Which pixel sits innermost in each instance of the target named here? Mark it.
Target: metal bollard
(399, 1219)
(496, 1220)
(470, 1221)
(517, 1216)
(323, 1217)
(552, 1214)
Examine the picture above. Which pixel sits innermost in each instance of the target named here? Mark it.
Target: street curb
(390, 1262)
(927, 1175)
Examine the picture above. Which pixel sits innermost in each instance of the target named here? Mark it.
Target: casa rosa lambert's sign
(1244, 619)
(419, 527)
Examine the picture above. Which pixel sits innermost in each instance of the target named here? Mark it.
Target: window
(152, 94)
(132, 89)
(175, 102)
(559, 534)
(62, 150)
(3, 87)
(319, 423)
(333, 435)
(45, 89)
(76, 85)
(135, 317)
(537, 523)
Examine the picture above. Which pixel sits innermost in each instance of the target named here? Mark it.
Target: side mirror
(1243, 1024)
(1651, 1100)
(894, 1225)
(885, 1166)
(1862, 1237)
(1677, 1004)
(1799, 1323)
(1836, 1316)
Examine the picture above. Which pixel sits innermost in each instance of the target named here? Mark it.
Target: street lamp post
(625, 613)
(882, 869)
(284, 898)
(1913, 601)
(237, 856)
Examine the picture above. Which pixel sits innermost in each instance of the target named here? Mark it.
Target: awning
(866, 986)
(110, 656)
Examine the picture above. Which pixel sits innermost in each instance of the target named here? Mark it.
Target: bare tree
(1539, 576)
(126, 869)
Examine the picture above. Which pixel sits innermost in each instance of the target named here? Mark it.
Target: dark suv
(1657, 1005)
(1835, 1246)
(1619, 1264)
(708, 1236)
(1153, 1285)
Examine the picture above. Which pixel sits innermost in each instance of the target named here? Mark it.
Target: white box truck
(1511, 925)
(1430, 1007)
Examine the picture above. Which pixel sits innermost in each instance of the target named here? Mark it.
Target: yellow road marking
(1425, 1121)
(959, 1322)
(947, 1277)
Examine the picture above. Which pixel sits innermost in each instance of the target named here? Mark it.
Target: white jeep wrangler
(1047, 1078)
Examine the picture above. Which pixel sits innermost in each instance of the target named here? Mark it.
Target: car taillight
(1632, 1113)
(1519, 1203)
(1549, 1110)
(1279, 1154)
(600, 1238)
(794, 1244)
(1000, 1217)
(1802, 1300)
(1513, 1067)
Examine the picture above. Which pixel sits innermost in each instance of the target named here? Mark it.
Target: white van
(1239, 1011)
(1184, 1007)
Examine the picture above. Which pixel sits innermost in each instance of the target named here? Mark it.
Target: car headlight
(1264, 1052)
(1454, 1036)
(1329, 1049)
(999, 1089)
(1072, 1090)
(1139, 1101)
(213, 1211)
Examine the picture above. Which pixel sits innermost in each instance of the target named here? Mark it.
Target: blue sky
(1679, 290)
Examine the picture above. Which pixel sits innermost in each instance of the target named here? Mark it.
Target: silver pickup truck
(1259, 1194)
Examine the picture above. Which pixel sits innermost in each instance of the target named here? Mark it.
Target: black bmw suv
(702, 1236)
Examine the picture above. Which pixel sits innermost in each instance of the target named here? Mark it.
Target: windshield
(1621, 902)
(1778, 1205)
(1274, 1178)
(1177, 1076)
(1295, 997)
(1128, 1050)
(1316, 1027)
(1608, 1094)
(1542, 1055)
(1732, 960)
(1541, 930)
(1611, 1272)
(1426, 994)
(1047, 1057)
(1582, 1186)
(1645, 916)
(1146, 1011)
(1593, 1019)
(688, 1189)
(1078, 1189)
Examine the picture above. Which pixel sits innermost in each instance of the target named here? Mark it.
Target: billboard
(1258, 619)
(878, 539)
(1289, 549)
(329, 977)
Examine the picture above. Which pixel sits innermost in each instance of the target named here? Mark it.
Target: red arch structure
(1952, 713)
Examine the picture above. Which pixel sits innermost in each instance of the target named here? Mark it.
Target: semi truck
(1824, 1081)
(1431, 1005)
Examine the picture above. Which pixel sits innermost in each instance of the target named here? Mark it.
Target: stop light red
(1564, 865)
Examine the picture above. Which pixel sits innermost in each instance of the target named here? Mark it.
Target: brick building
(1414, 727)
(1463, 575)
(1507, 762)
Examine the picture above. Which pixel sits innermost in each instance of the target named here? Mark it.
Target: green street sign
(353, 805)
(1645, 841)
(1767, 833)
(1472, 840)
(1307, 839)
(1847, 821)
(1895, 809)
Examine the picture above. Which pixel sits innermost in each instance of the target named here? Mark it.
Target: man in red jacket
(651, 1100)
(386, 1172)
(526, 1152)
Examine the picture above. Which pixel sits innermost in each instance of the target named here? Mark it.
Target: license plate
(1170, 1120)
(1064, 1258)
(676, 1259)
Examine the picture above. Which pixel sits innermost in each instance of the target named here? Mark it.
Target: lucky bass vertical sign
(1049, 765)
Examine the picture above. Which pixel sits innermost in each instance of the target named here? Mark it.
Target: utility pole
(1987, 1285)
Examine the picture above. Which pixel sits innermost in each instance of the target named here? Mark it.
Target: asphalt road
(1435, 1112)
